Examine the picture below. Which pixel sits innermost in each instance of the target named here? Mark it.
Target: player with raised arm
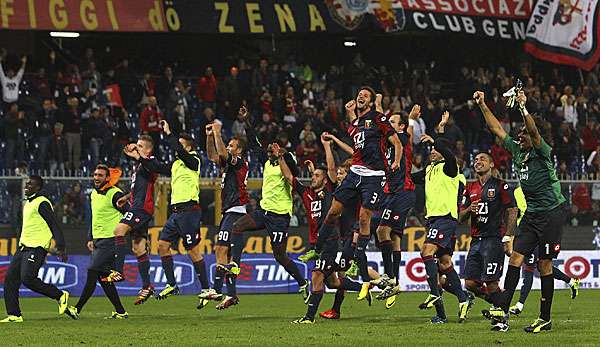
(370, 131)
(186, 216)
(442, 186)
(136, 219)
(493, 213)
(542, 222)
(234, 198)
(317, 199)
(399, 198)
(275, 209)
(107, 211)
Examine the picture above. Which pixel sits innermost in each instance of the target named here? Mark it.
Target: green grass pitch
(265, 320)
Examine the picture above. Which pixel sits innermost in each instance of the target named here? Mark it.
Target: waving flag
(112, 92)
(565, 32)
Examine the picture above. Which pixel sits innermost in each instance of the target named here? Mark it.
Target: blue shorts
(367, 189)
(326, 263)
(347, 255)
(531, 261)
(103, 255)
(226, 228)
(485, 260)
(276, 225)
(185, 224)
(138, 220)
(441, 232)
(395, 208)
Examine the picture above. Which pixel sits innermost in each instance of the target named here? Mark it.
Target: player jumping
(186, 217)
(275, 210)
(399, 198)
(234, 199)
(136, 219)
(370, 130)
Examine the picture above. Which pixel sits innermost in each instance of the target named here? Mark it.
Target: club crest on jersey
(321, 194)
(368, 123)
(491, 193)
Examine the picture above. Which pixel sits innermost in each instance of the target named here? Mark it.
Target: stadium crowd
(69, 115)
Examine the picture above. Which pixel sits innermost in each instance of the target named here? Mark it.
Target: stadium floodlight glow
(69, 34)
(349, 43)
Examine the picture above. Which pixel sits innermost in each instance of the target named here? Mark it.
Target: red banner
(85, 15)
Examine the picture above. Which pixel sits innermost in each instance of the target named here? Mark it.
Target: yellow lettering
(153, 239)
(89, 19)
(268, 247)
(13, 245)
(206, 244)
(253, 12)
(294, 244)
(3, 247)
(32, 16)
(172, 19)
(414, 242)
(316, 21)
(254, 245)
(285, 17)
(155, 17)
(6, 10)
(58, 15)
(112, 15)
(223, 7)
(464, 243)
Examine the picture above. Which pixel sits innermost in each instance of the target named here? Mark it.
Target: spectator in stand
(45, 121)
(128, 82)
(284, 141)
(10, 82)
(41, 84)
(239, 126)
(567, 143)
(72, 203)
(59, 151)
(122, 134)
(308, 149)
(267, 129)
(568, 108)
(207, 90)
(451, 132)
(562, 171)
(147, 89)
(164, 86)
(502, 157)
(15, 127)
(590, 135)
(100, 137)
(232, 95)
(92, 79)
(593, 162)
(150, 120)
(70, 117)
(262, 77)
(179, 101)
(419, 129)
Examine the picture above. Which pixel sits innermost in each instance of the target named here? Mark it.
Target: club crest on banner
(388, 14)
